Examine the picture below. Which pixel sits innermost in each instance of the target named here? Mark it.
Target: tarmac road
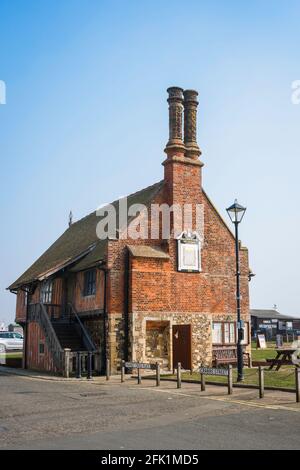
(49, 414)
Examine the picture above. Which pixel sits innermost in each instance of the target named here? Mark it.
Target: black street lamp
(236, 213)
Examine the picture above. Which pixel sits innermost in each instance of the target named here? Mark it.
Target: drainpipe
(126, 306)
(105, 315)
(25, 336)
(26, 327)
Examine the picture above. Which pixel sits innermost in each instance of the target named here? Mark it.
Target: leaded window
(89, 282)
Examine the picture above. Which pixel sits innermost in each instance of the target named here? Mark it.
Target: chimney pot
(190, 124)
(175, 100)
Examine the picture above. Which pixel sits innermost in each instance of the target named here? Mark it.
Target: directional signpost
(139, 366)
(216, 372)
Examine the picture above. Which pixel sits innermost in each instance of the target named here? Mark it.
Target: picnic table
(283, 357)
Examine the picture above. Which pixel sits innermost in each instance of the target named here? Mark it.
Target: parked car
(10, 341)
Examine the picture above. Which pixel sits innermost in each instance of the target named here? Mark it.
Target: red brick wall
(212, 290)
(157, 286)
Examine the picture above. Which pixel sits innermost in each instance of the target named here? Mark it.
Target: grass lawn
(12, 354)
(11, 358)
(263, 354)
(284, 378)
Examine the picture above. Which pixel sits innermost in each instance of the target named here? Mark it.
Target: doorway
(182, 346)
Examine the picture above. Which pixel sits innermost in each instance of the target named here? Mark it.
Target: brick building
(165, 299)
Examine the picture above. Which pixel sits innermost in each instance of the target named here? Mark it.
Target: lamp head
(236, 212)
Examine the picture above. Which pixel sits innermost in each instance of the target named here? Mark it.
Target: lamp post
(236, 213)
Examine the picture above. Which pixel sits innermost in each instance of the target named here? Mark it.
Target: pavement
(59, 414)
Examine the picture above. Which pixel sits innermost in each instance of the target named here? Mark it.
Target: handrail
(83, 329)
(39, 313)
(50, 327)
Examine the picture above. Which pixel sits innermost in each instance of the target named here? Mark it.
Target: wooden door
(182, 346)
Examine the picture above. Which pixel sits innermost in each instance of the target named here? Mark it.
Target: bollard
(297, 381)
(107, 369)
(261, 382)
(230, 386)
(157, 374)
(78, 365)
(122, 371)
(89, 366)
(97, 362)
(139, 376)
(179, 375)
(67, 362)
(202, 383)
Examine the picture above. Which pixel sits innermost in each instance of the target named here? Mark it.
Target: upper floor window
(89, 282)
(46, 292)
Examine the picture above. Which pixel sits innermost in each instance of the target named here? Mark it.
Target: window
(89, 282)
(217, 333)
(41, 348)
(246, 334)
(4, 335)
(46, 292)
(18, 335)
(229, 333)
(225, 333)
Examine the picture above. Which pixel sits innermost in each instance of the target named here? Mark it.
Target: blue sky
(86, 120)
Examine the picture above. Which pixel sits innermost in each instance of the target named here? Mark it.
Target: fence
(82, 363)
(260, 374)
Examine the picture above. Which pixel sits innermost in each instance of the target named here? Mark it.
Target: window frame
(89, 284)
(223, 343)
(17, 335)
(230, 343)
(246, 340)
(47, 291)
(220, 323)
(41, 344)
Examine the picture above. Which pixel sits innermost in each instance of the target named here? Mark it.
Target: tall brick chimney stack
(190, 124)
(175, 144)
(182, 165)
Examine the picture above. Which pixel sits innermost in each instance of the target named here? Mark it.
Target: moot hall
(167, 300)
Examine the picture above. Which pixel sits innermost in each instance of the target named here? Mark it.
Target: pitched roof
(270, 314)
(79, 245)
(144, 251)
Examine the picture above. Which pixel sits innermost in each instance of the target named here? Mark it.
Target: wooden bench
(228, 356)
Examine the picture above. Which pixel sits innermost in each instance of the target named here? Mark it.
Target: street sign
(140, 365)
(213, 371)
